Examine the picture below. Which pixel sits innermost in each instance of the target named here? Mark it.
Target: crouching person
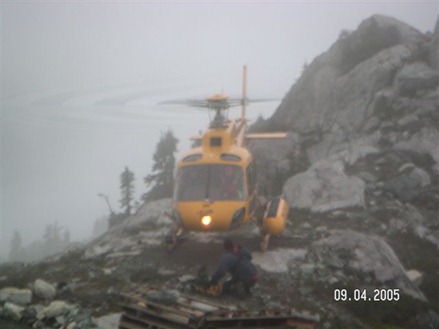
(237, 262)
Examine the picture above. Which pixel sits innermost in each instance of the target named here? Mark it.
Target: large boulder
(12, 311)
(44, 290)
(324, 187)
(56, 308)
(15, 295)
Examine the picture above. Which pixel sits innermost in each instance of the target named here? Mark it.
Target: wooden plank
(198, 305)
(142, 319)
(186, 304)
(301, 324)
(125, 325)
(183, 316)
(173, 317)
(264, 318)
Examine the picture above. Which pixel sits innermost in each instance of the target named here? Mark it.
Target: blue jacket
(238, 264)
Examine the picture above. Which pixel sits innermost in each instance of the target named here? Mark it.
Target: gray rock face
(405, 185)
(423, 141)
(326, 94)
(276, 159)
(365, 92)
(330, 106)
(414, 77)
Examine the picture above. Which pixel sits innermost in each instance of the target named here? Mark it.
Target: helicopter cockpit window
(226, 183)
(190, 183)
(209, 181)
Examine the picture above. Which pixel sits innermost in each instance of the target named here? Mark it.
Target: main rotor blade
(187, 102)
(216, 104)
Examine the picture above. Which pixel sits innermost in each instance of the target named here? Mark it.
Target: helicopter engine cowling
(275, 216)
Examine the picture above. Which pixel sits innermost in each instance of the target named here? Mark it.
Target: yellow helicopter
(215, 182)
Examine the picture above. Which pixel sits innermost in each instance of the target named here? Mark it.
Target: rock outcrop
(363, 166)
(344, 86)
(375, 87)
(364, 116)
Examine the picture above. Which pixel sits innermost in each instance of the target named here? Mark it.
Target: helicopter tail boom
(266, 136)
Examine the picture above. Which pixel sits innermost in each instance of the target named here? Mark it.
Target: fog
(81, 82)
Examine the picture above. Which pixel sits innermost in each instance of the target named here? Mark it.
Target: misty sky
(81, 80)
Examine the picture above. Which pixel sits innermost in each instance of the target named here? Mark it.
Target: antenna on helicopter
(244, 91)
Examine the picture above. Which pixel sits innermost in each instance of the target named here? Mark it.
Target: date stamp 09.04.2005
(377, 295)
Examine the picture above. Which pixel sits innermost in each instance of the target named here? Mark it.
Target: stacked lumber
(151, 308)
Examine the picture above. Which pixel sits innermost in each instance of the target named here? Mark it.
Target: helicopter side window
(226, 183)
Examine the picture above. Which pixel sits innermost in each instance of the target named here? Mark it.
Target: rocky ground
(318, 254)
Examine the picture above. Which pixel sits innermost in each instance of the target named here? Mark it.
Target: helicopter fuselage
(215, 183)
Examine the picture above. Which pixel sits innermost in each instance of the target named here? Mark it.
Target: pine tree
(161, 179)
(16, 247)
(127, 190)
(52, 239)
(66, 240)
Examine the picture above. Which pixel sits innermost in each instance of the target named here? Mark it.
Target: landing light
(206, 220)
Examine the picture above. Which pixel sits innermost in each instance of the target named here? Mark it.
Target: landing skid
(265, 241)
